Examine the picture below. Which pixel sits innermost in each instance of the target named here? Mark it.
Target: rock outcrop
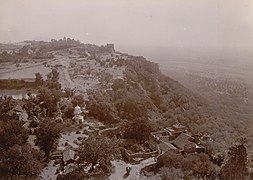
(234, 166)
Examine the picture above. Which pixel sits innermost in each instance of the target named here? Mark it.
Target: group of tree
(7, 103)
(95, 154)
(138, 129)
(191, 166)
(201, 166)
(14, 56)
(18, 160)
(49, 92)
(98, 150)
(48, 135)
(59, 44)
(101, 107)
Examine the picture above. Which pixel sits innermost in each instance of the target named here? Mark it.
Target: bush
(98, 149)
(170, 159)
(20, 162)
(138, 129)
(68, 93)
(78, 100)
(11, 133)
(171, 173)
(50, 97)
(100, 106)
(47, 136)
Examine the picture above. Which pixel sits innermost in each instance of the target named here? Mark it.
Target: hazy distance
(157, 29)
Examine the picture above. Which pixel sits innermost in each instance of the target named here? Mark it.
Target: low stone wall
(108, 130)
(141, 156)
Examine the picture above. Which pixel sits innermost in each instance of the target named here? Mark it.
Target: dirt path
(119, 171)
(65, 79)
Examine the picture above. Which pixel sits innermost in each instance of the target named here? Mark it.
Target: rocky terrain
(122, 90)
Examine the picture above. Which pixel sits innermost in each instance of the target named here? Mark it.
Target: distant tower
(110, 48)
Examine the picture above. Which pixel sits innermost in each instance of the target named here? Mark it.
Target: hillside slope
(119, 87)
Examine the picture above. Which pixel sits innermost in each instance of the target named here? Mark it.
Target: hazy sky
(143, 27)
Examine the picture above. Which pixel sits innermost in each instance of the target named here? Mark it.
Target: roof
(166, 146)
(169, 129)
(178, 126)
(69, 168)
(159, 133)
(165, 139)
(69, 154)
(182, 140)
(18, 108)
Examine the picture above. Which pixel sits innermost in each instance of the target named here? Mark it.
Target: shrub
(138, 129)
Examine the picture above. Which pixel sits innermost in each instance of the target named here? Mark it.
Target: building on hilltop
(108, 48)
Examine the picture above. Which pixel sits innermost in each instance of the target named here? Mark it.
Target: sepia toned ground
(23, 70)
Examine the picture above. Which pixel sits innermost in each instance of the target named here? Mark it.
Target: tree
(98, 150)
(74, 175)
(50, 97)
(171, 173)
(11, 133)
(38, 79)
(6, 106)
(170, 159)
(138, 129)
(47, 136)
(53, 75)
(199, 166)
(20, 162)
(193, 166)
(68, 92)
(101, 107)
(78, 100)
(134, 105)
(53, 80)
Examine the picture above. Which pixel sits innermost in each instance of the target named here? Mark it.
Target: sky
(153, 28)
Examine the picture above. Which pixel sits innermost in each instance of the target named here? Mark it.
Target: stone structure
(108, 48)
(22, 114)
(78, 118)
(80, 114)
(177, 138)
(68, 156)
(59, 116)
